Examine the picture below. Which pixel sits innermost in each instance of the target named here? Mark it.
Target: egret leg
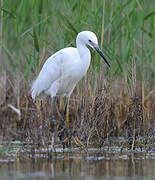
(52, 107)
(71, 135)
(52, 119)
(62, 129)
(65, 111)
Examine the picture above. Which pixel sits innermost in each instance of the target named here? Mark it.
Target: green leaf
(35, 38)
(149, 15)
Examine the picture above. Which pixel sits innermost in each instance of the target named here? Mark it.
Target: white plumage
(62, 71)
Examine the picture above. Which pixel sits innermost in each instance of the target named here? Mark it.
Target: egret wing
(50, 72)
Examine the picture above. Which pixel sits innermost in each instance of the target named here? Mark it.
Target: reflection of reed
(85, 166)
(105, 104)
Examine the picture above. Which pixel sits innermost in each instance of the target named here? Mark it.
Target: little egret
(62, 71)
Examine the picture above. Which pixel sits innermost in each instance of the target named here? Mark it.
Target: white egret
(62, 71)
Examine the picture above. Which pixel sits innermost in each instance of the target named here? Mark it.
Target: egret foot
(75, 139)
(62, 133)
(78, 142)
(66, 137)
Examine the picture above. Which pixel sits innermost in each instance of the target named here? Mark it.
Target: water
(75, 164)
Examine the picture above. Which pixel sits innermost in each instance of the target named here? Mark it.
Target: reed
(106, 103)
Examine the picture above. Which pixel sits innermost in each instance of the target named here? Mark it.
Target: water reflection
(81, 166)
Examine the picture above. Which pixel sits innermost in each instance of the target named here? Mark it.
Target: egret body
(62, 71)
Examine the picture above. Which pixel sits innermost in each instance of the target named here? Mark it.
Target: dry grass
(112, 111)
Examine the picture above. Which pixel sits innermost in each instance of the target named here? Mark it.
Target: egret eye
(89, 40)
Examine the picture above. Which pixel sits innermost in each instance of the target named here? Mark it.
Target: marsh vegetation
(106, 104)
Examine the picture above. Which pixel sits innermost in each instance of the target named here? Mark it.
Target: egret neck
(84, 54)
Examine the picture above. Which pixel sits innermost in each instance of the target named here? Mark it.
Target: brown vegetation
(110, 111)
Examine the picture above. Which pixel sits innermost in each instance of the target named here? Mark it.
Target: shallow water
(76, 164)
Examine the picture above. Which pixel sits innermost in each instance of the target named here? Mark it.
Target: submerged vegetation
(107, 103)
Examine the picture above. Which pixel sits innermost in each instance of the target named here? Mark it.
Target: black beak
(95, 46)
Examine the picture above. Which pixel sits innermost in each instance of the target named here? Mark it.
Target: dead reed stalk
(109, 112)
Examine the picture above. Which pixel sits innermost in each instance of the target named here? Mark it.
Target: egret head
(90, 39)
